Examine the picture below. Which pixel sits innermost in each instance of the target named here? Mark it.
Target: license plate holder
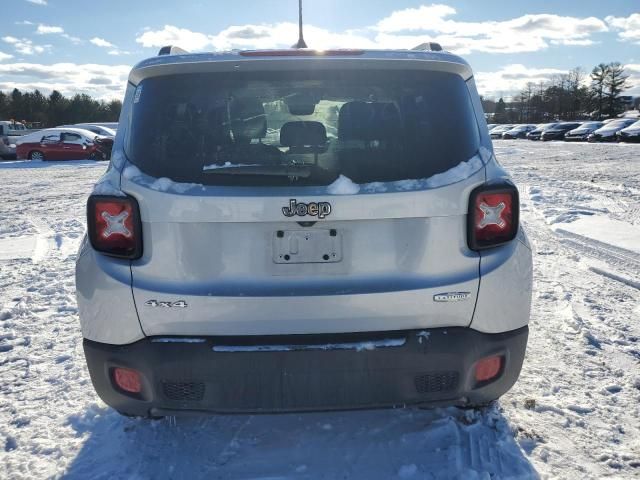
(307, 246)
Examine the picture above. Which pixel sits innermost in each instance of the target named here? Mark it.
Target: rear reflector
(493, 215)
(488, 368)
(127, 379)
(301, 52)
(114, 226)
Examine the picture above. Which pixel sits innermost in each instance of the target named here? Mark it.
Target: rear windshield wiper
(300, 171)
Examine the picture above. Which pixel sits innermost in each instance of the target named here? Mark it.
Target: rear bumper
(306, 372)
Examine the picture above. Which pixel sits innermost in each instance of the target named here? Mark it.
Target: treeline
(575, 95)
(56, 109)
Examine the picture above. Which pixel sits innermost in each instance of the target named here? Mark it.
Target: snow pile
(162, 184)
(343, 186)
(131, 172)
(462, 171)
(604, 229)
(456, 174)
(106, 187)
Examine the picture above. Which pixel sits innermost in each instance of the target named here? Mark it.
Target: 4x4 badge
(314, 209)
(176, 304)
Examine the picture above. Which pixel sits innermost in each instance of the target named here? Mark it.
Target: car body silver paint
(504, 298)
(105, 304)
(208, 247)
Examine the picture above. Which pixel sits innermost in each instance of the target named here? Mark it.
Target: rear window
(302, 128)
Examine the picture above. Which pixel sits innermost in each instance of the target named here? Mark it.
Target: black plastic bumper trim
(431, 367)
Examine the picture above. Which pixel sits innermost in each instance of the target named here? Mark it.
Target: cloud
(51, 29)
(277, 35)
(48, 29)
(25, 46)
(171, 35)
(633, 69)
(401, 29)
(114, 50)
(101, 42)
(527, 33)
(100, 81)
(38, 2)
(511, 79)
(24, 22)
(629, 27)
(71, 38)
(5, 56)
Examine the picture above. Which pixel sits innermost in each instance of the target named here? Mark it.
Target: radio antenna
(301, 43)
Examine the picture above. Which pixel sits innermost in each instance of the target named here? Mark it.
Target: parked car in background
(93, 127)
(537, 132)
(111, 125)
(491, 126)
(630, 133)
(519, 131)
(581, 133)
(7, 150)
(496, 132)
(608, 131)
(13, 129)
(558, 131)
(60, 144)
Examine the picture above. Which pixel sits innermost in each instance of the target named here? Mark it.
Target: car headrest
(302, 134)
(368, 121)
(248, 119)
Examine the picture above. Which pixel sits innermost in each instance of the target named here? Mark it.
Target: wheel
(36, 155)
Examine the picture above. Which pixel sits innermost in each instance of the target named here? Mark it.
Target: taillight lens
(127, 379)
(488, 368)
(114, 226)
(494, 211)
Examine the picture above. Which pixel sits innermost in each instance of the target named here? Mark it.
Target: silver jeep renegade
(293, 230)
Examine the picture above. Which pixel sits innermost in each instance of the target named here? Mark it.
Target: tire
(36, 155)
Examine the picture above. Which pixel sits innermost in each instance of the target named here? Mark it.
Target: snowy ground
(573, 414)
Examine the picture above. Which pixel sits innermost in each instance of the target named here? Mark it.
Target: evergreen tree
(598, 78)
(501, 112)
(56, 109)
(615, 83)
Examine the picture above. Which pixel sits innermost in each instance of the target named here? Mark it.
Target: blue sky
(66, 44)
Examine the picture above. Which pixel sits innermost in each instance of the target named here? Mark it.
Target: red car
(61, 144)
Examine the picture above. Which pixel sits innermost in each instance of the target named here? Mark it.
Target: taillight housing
(494, 215)
(114, 226)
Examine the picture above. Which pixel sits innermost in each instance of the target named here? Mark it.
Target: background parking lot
(573, 413)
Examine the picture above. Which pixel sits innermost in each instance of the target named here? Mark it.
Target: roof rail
(171, 50)
(429, 47)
